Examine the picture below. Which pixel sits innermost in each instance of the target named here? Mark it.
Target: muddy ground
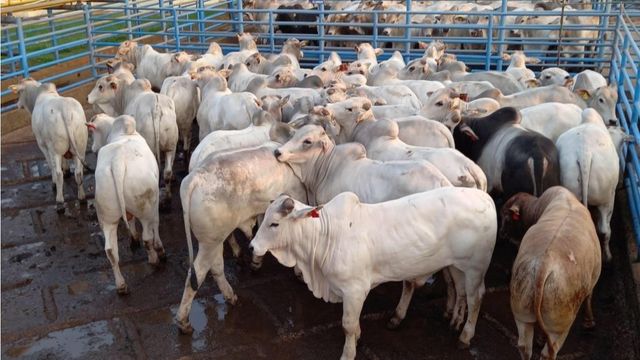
(59, 299)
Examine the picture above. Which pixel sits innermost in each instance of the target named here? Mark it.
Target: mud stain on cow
(145, 199)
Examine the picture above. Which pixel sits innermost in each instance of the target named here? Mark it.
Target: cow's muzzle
(277, 154)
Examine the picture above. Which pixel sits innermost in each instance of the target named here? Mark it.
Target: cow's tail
(118, 170)
(72, 142)
(584, 166)
(537, 168)
(157, 114)
(538, 295)
(480, 182)
(188, 184)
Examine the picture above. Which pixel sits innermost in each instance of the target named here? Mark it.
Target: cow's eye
(350, 109)
(307, 142)
(601, 100)
(100, 87)
(547, 77)
(412, 68)
(274, 225)
(323, 69)
(439, 103)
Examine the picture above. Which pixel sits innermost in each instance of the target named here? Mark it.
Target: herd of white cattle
(357, 174)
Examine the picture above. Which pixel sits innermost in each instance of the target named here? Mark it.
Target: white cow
(380, 139)
(327, 169)
(226, 140)
(248, 47)
(588, 80)
(518, 68)
(390, 94)
(227, 191)
(221, 109)
(260, 88)
(394, 63)
(551, 119)
(240, 77)
(186, 99)
(589, 167)
(388, 76)
(150, 64)
(58, 125)
(555, 76)
(346, 248)
(154, 113)
(126, 188)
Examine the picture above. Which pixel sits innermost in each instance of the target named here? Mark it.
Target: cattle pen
(69, 43)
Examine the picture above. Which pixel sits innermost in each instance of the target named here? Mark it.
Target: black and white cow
(513, 158)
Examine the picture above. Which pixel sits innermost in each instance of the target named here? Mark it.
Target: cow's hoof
(589, 325)
(162, 256)
(233, 300)
(184, 327)
(462, 345)
(123, 290)
(393, 323)
(60, 208)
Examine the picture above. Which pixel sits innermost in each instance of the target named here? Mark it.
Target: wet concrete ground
(59, 299)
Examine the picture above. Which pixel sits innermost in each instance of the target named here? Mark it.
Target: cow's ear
(378, 51)
(283, 101)
(225, 73)
(514, 212)
(303, 43)
(422, 45)
(532, 60)
(506, 57)
(287, 206)
(357, 48)
(584, 94)
(313, 212)
(281, 132)
(14, 88)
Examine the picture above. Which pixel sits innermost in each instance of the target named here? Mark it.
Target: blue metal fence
(84, 37)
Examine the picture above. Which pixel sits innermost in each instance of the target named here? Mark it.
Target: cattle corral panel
(83, 37)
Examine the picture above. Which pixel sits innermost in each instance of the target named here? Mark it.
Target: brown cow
(557, 266)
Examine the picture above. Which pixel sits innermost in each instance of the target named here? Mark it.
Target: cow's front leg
(351, 308)
(451, 292)
(408, 287)
(201, 265)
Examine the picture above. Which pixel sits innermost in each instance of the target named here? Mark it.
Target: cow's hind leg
(135, 236)
(351, 308)
(474, 286)
(604, 226)
(168, 168)
(111, 249)
(408, 287)
(79, 175)
(589, 321)
(56, 172)
(525, 338)
(201, 265)
(148, 235)
(557, 340)
(460, 304)
(217, 269)
(451, 293)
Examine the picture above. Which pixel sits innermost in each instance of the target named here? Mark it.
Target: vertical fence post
(92, 54)
(272, 40)
(503, 13)
(200, 15)
(321, 31)
(136, 12)
(604, 25)
(23, 49)
(52, 31)
(407, 33)
(126, 14)
(9, 48)
(238, 25)
(163, 19)
(176, 30)
(489, 49)
(375, 29)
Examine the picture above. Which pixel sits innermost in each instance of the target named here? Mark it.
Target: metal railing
(81, 39)
(625, 61)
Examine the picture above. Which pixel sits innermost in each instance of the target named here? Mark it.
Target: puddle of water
(71, 343)
(198, 319)
(221, 306)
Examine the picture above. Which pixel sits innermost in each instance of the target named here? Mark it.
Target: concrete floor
(59, 299)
